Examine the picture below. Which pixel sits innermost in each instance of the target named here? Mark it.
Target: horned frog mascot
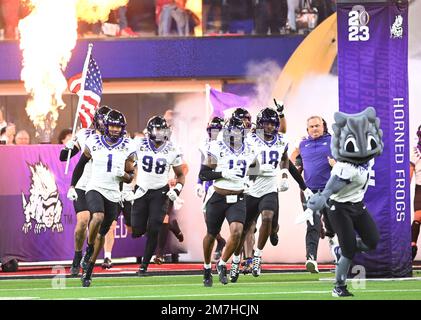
(356, 141)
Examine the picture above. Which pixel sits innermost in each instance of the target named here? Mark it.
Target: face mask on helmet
(99, 118)
(115, 125)
(233, 132)
(244, 115)
(159, 135)
(267, 123)
(214, 127)
(158, 129)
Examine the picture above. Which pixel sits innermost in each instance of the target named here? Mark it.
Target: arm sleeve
(206, 174)
(78, 171)
(297, 176)
(64, 152)
(200, 181)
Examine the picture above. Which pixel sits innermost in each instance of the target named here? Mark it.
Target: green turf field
(270, 286)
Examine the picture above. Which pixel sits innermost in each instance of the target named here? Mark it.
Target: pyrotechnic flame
(47, 37)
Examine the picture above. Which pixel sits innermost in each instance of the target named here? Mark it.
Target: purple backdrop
(373, 71)
(36, 219)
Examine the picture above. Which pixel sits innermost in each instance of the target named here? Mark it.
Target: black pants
(148, 213)
(98, 203)
(217, 210)
(255, 206)
(313, 231)
(350, 218)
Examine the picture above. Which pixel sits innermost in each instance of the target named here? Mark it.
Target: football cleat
(207, 277)
(341, 291)
(222, 272)
(159, 260)
(246, 264)
(87, 275)
(142, 272)
(107, 264)
(74, 270)
(256, 268)
(311, 265)
(234, 271)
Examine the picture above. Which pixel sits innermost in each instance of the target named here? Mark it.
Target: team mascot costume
(356, 141)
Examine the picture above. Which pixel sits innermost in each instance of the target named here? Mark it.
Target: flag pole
(79, 103)
(208, 106)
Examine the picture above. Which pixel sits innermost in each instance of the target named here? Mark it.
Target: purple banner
(373, 71)
(37, 219)
(224, 100)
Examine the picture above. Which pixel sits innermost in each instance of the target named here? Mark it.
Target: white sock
(236, 259)
(107, 255)
(207, 265)
(258, 253)
(221, 263)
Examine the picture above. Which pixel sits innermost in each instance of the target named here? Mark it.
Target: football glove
(71, 194)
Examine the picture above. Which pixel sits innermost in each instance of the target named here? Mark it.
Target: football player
(113, 157)
(77, 195)
(262, 198)
(213, 129)
(227, 163)
(156, 155)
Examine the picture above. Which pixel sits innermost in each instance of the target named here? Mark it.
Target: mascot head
(357, 138)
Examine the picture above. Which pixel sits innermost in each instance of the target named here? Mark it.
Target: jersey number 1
(109, 162)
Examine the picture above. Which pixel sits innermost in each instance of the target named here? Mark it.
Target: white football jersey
(203, 148)
(268, 152)
(359, 176)
(228, 159)
(416, 161)
(81, 136)
(153, 165)
(105, 159)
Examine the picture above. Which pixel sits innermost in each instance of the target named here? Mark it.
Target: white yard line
(156, 285)
(239, 294)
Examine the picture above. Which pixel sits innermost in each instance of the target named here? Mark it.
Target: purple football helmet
(268, 115)
(99, 115)
(158, 129)
(215, 125)
(115, 118)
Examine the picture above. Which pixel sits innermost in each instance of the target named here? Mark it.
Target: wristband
(178, 187)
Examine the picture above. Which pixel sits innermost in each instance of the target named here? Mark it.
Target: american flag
(92, 93)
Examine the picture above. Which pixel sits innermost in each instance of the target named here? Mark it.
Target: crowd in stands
(8, 134)
(173, 18)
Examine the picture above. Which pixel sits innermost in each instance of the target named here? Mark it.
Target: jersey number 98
(160, 165)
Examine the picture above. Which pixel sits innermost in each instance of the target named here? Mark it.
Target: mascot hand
(317, 202)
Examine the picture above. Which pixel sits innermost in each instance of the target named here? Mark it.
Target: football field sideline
(272, 286)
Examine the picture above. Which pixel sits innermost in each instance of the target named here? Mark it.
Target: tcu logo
(358, 19)
(44, 205)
